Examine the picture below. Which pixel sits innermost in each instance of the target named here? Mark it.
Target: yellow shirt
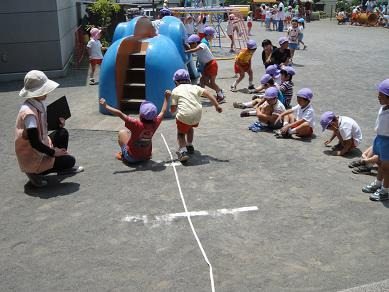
(244, 56)
(187, 98)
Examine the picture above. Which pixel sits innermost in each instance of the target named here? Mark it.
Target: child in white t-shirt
(301, 24)
(208, 64)
(293, 34)
(94, 49)
(345, 129)
(189, 25)
(300, 119)
(186, 101)
(231, 28)
(380, 187)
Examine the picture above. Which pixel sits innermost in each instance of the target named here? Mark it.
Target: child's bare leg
(214, 86)
(251, 76)
(123, 137)
(181, 140)
(383, 170)
(92, 71)
(291, 53)
(288, 119)
(240, 78)
(368, 153)
(189, 136)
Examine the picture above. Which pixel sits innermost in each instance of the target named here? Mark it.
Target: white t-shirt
(95, 47)
(187, 98)
(349, 129)
(301, 28)
(230, 27)
(205, 54)
(200, 27)
(293, 34)
(249, 19)
(268, 14)
(382, 123)
(189, 28)
(281, 15)
(307, 114)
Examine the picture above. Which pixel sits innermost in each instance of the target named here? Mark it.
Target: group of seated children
(185, 102)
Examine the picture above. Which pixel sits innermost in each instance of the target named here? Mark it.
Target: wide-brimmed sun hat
(37, 84)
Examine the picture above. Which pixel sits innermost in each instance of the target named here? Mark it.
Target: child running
(186, 101)
(243, 64)
(300, 119)
(208, 64)
(137, 147)
(345, 129)
(380, 187)
(293, 36)
(94, 48)
(301, 24)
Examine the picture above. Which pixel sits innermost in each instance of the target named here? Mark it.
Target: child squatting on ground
(94, 48)
(186, 103)
(300, 119)
(137, 146)
(380, 187)
(243, 64)
(345, 129)
(208, 64)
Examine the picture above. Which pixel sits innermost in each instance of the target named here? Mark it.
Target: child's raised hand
(219, 109)
(103, 102)
(168, 93)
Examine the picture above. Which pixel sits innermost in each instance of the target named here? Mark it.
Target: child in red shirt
(136, 147)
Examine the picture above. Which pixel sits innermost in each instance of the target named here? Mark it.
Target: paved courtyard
(308, 226)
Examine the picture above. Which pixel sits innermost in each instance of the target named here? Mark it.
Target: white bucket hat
(37, 84)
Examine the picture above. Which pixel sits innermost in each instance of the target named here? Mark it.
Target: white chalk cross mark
(168, 218)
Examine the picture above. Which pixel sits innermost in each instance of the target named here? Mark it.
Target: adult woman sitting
(267, 53)
(37, 152)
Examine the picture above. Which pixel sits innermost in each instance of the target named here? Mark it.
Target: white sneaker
(233, 88)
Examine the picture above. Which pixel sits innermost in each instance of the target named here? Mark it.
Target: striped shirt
(287, 90)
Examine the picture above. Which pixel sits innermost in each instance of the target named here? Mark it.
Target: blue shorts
(301, 36)
(381, 147)
(293, 46)
(267, 21)
(126, 157)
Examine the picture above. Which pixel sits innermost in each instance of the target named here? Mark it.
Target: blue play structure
(139, 65)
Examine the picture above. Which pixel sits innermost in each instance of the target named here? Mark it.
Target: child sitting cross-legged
(268, 112)
(300, 119)
(286, 86)
(136, 147)
(186, 101)
(345, 129)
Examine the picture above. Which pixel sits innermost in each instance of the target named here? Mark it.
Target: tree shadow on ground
(148, 165)
(55, 187)
(354, 153)
(198, 159)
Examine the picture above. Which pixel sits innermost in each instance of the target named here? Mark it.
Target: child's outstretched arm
(112, 110)
(168, 93)
(208, 95)
(327, 142)
(198, 48)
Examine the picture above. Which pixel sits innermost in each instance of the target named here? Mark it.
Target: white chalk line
(187, 214)
(168, 218)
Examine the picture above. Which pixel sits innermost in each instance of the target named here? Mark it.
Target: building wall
(35, 34)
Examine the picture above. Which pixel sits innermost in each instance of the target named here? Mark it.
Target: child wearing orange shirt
(243, 64)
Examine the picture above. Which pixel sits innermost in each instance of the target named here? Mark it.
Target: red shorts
(310, 133)
(95, 61)
(201, 35)
(210, 69)
(245, 67)
(184, 128)
(263, 16)
(249, 24)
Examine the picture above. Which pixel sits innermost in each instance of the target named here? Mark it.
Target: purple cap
(271, 92)
(165, 12)
(305, 93)
(265, 79)
(181, 74)
(326, 119)
(273, 71)
(194, 38)
(209, 30)
(290, 70)
(251, 44)
(383, 87)
(283, 40)
(148, 110)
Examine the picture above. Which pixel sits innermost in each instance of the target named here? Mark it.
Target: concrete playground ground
(308, 226)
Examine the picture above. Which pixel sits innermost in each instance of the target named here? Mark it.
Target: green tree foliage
(105, 9)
